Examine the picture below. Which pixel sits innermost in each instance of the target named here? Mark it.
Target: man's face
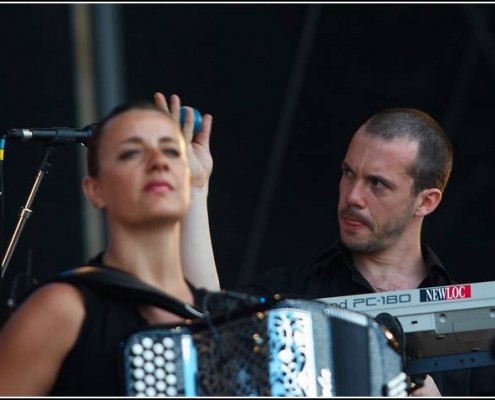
(376, 204)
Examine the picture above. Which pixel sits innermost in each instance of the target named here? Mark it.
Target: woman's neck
(153, 255)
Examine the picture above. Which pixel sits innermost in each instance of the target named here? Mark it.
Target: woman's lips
(158, 186)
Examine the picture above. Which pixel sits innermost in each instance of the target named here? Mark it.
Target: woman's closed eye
(128, 154)
(171, 151)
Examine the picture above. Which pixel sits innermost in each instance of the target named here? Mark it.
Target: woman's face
(144, 177)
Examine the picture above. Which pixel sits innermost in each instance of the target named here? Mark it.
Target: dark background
(287, 85)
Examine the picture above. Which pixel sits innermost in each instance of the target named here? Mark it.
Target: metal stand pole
(26, 210)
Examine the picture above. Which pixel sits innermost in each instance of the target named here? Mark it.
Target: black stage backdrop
(287, 84)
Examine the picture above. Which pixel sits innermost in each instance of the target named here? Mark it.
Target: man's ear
(92, 192)
(428, 201)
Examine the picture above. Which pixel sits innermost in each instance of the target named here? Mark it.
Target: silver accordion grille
(292, 350)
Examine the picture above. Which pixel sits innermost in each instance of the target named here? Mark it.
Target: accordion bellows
(293, 348)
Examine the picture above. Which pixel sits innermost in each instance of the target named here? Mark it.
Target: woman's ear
(92, 192)
(428, 201)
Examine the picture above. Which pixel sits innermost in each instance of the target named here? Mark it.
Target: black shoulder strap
(124, 286)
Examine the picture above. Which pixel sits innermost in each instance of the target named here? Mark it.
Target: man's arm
(429, 389)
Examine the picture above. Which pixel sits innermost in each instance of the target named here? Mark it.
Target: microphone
(52, 135)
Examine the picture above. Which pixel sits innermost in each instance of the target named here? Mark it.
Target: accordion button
(170, 367)
(147, 343)
(139, 386)
(160, 386)
(159, 361)
(168, 342)
(171, 379)
(151, 392)
(159, 374)
(149, 367)
(169, 355)
(171, 391)
(148, 355)
(158, 348)
(138, 361)
(150, 380)
(138, 373)
(136, 349)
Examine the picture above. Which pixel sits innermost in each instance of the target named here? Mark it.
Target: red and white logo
(455, 292)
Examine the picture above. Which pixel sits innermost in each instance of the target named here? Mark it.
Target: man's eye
(377, 182)
(347, 172)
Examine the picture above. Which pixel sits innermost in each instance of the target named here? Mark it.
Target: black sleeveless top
(94, 366)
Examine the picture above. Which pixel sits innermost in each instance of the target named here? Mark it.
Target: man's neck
(392, 269)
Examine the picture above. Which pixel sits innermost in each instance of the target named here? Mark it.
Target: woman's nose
(157, 160)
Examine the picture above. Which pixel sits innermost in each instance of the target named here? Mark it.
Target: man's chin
(363, 247)
(350, 244)
(356, 246)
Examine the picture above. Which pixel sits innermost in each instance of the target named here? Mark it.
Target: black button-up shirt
(333, 274)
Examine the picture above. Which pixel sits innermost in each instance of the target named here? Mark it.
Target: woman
(64, 339)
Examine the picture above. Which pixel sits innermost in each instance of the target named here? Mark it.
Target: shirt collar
(437, 274)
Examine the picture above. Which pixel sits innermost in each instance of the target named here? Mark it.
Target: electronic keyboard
(449, 327)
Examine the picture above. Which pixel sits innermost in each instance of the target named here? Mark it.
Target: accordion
(294, 348)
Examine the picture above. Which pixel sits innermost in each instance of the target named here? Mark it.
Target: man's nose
(355, 194)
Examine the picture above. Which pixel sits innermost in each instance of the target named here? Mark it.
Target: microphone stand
(26, 210)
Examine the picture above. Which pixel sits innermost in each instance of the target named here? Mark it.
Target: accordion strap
(124, 286)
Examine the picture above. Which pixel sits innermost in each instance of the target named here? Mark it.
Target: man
(393, 175)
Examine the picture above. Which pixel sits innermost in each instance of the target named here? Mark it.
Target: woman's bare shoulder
(37, 337)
